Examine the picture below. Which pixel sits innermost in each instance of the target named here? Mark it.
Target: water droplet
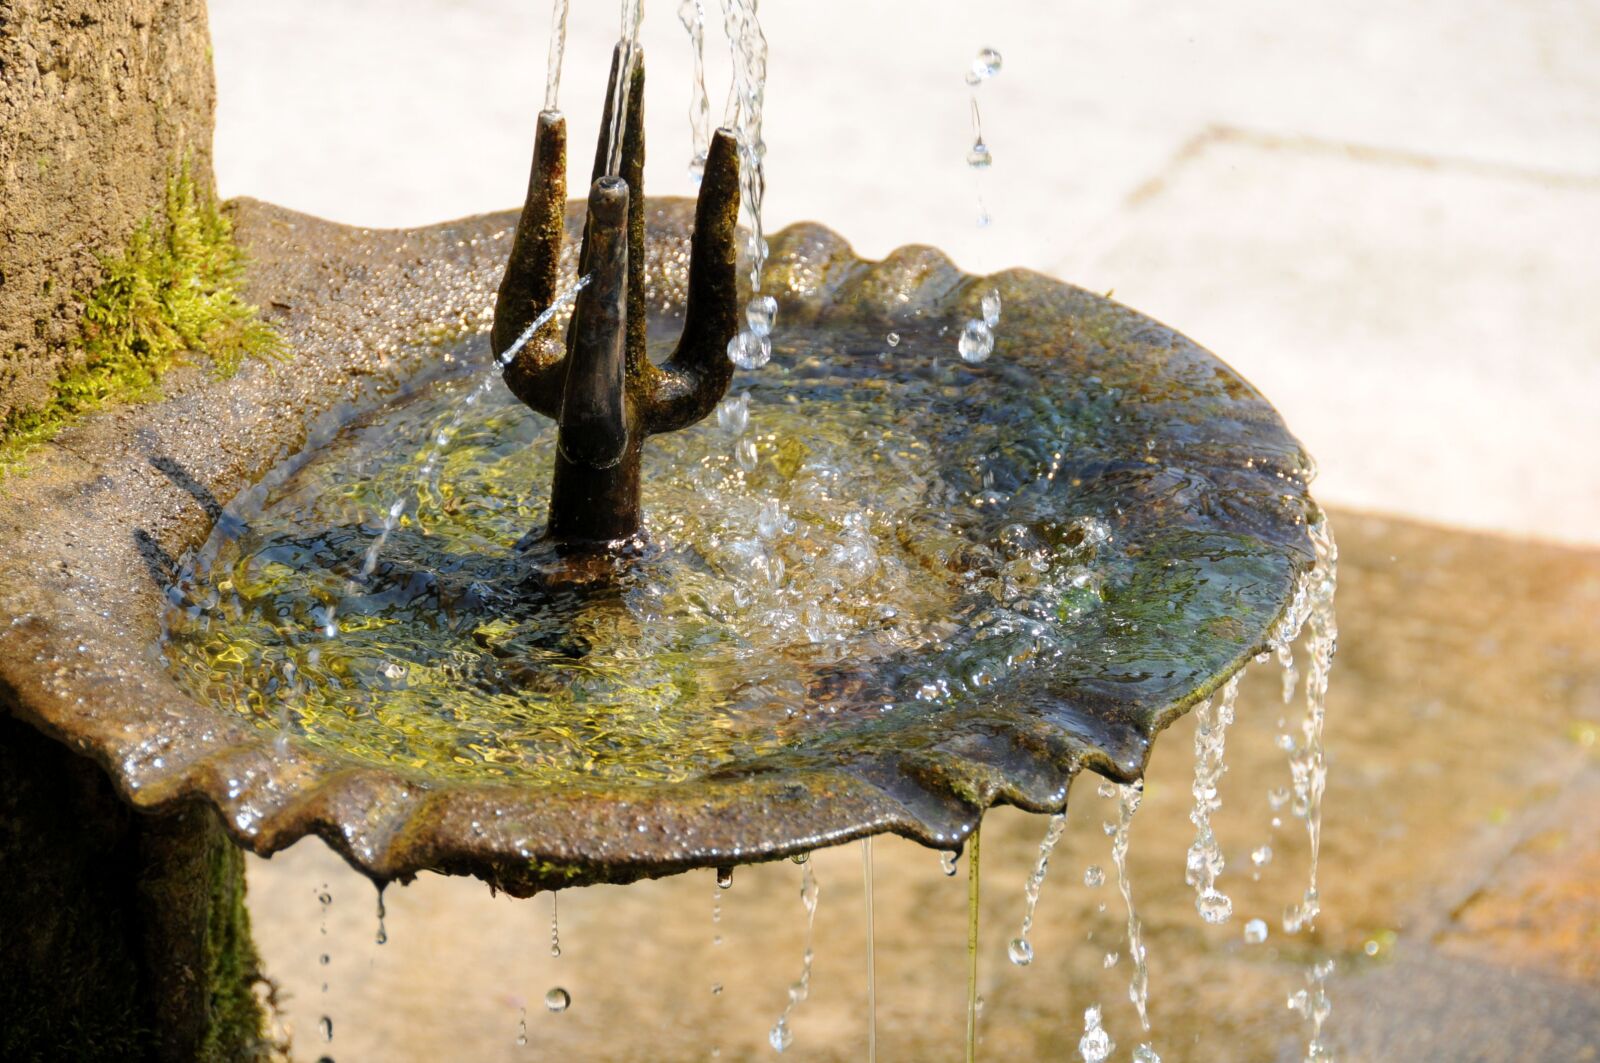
(324, 959)
(1020, 951)
(724, 877)
(749, 351)
(892, 339)
(1145, 1054)
(1096, 1045)
(1214, 906)
(522, 1027)
(745, 454)
(1107, 789)
(991, 308)
(733, 413)
(324, 899)
(760, 313)
(1277, 797)
(326, 1026)
(800, 858)
(1111, 960)
(716, 989)
(976, 343)
(1094, 876)
(947, 863)
(780, 1037)
(1262, 856)
(979, 156)
(1255, 931)
(986, 64)
(558, 999)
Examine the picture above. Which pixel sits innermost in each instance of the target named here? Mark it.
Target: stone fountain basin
(98, 528)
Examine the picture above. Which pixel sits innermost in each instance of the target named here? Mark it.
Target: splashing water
(558, 48)
(781, 1036)
(973, 1001)
(1313, 1005)
(1307, 767)
(872, 974)
(1205, 862)
(1096, 1045)
(751, 348)
(1021, 950)
(692, 13)
(1129, 798)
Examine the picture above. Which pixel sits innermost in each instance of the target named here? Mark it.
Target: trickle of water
(555, 927)
(985, 65)
(781, 1036)
(1021, 950)
(1255, 931)
(872, 975)
(557, 999)
(522, 1027)
(558, 48)
(1204, 862)
(752, 347)
(1129, 798)
(692, 14)
(947, 863)
(632, 15)
(1096, 1045)
(972, 945)
(383, 933)
(1307, 766)
(724, 878)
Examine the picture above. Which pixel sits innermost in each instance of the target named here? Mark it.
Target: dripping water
(324, 902)
(382, 936)
(972, 946)
(1021, 949)
(872, 974)
(1312, 1005)
(558, 48)
(1204, 862)
(976, 341)
(555, 926)
(692, 13)
(1095, 1046)
(781, 1036)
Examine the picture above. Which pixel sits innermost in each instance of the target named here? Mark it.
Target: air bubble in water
(976, 343)
(558, 999)
(760, 313)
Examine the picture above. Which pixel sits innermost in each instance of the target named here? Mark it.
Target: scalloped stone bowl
(1091, 431)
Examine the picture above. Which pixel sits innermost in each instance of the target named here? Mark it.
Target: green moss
(233, 966)
(173, 290)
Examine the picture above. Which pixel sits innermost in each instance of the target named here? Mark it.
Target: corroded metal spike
(604, 392)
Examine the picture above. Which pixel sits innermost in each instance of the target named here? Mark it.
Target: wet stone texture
(1189, 470)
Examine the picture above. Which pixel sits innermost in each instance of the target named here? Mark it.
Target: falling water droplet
(1096, 1045)
(986, 64)
(1094, 876)
(760, 313)
(979, 157)
(326, 1026)
(947, 863)
(750, 351)
(557, 999)
(724, 878)
(383, 933)
(555, 927)
(991, 308)
(1020, 952)
(1145, 1054)
(976, 343)
(800, 858)
(780, 1037)
(1255, 931)
(522, 1027)
(1111, 960)
(1261, 856)
(716, 989)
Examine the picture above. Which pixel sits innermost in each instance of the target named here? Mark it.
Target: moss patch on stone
(173, 291)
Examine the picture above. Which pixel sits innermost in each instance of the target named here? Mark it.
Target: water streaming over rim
(872, 974)
(1020, 950)
(558, 47)
(1204, 861)
(628, 39)
(781, 1036)
(692, 13)
(973, 898)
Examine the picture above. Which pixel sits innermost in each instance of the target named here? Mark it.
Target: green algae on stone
(172, 291)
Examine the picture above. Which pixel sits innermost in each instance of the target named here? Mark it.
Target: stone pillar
(101, 101)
